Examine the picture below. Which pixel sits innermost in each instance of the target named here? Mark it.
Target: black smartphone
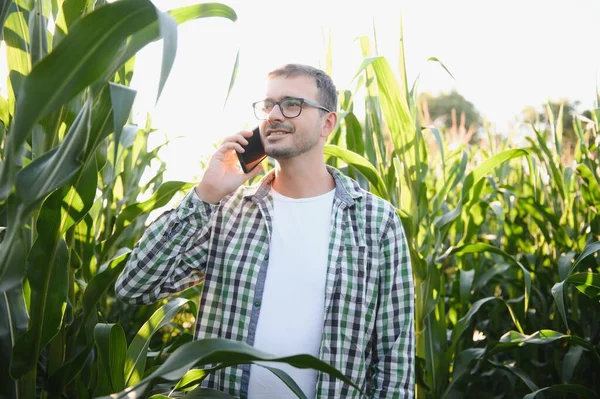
(254, 154)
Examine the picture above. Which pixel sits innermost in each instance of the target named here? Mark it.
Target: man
(303, 262)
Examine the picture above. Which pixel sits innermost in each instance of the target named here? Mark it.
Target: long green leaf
(80, 198)
(48, 277)
(287, 380)
(111, 343)
(78, 61)
(542, 337)
(559, 298)
(212, 351)
(56, 167)
(234, 73)
(487, 166)
(160, 198)
(135, 362)
(13, 322)
(362, 165)
(579, 390)
(587, 251)
(13, 249)
(95, 289)
(588, 283)
(122, 98)
(37, 28)
(482, 248)
(590, 190)
(183, 14)
(168, 32)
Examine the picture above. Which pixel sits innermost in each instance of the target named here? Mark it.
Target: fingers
(239, 138)
(226, 147)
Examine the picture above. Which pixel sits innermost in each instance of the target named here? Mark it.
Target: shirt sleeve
(171, 255)
(394, 346)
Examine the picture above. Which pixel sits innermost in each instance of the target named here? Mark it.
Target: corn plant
(70, 176)
(503, 242)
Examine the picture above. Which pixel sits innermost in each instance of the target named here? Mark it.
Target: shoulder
(365, 202)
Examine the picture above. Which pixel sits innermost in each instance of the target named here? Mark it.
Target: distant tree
(452, 111)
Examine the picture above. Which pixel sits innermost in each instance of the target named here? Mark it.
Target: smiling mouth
(276, 133)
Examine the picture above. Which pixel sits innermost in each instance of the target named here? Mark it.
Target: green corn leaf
(80, 197)
(38, 34)
(587, 251)
(111, 343)
(463, 367)
(48, 277)
(56, 167)
(80, 60)
(122, 98)
(13, 323)
(542, 337)
(487, 166)
(557, 176)
(570, 362)
(211, 351)
(434, 59)
(96, 288)
(465, 321)
(466, 282)
(4, 9)
(354, 134)
(590, 190)
(287, 380)
(395, 108)
(18, 61)
(135, 362)
(482, 248)
(234, 73)
(13, 249)
(152, 32)
(588, 283)
(168, 32)
(362, 165)
(160, 198)
(579, 390)
(191, 378)
(559, 298)
(517, 372)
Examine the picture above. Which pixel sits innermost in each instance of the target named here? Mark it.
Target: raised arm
(171, 256)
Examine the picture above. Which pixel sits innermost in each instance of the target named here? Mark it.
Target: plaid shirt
(368, 328)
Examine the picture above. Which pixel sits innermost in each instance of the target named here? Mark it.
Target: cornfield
(503, 239)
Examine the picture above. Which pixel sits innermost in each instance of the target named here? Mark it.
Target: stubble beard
(298, 145)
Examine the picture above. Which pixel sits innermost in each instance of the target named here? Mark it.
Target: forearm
(170, 256)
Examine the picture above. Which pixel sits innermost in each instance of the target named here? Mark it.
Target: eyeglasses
(290, 107)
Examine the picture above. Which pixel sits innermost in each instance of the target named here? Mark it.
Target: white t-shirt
(293, 304)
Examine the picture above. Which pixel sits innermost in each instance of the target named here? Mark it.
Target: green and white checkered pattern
(368, 329)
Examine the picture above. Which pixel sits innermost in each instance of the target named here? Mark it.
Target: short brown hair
(327, 92)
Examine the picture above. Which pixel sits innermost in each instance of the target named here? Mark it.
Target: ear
(329, 124)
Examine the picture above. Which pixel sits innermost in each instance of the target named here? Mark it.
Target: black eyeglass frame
(278, 103)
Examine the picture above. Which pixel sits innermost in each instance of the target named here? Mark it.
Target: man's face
(285, 138)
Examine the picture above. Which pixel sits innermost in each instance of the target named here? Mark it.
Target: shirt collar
(346, 189)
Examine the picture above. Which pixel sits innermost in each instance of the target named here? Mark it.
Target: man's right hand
(223, 174)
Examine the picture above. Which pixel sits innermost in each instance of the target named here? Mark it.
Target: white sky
(504, 55)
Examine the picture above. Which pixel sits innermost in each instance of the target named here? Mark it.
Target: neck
(297, 178)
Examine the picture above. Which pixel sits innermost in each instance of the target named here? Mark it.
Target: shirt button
(257, 304)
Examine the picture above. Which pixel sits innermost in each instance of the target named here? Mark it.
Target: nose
(275, 114)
